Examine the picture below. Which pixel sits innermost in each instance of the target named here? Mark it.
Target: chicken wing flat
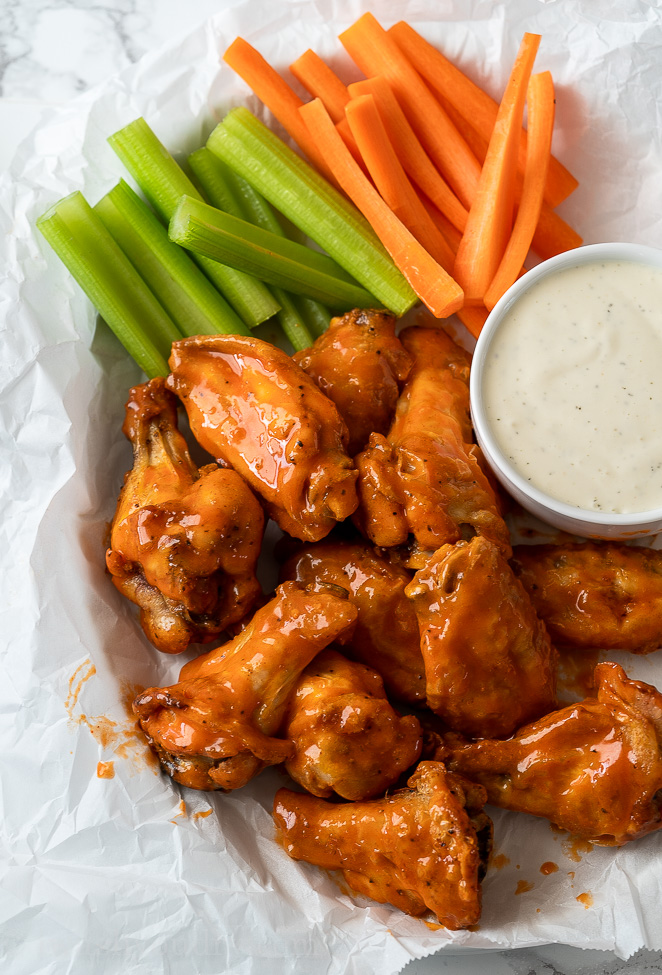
(423, 848)
(386, 636)
(347, 737)
(215, 728)
(595, 595)
(423, 484)
(253, 408)
(360, 365)
(593, 768)
(489, 662)
(184, 542)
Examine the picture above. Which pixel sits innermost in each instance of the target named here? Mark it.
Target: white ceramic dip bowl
(544, 484)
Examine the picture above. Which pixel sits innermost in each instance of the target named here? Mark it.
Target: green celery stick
(206, 230)
(111, 282)
(163, 182)
(228, 191)
(191, 300)
(311, 203)
(315, 315)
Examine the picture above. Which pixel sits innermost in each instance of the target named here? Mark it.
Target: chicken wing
(252, 407)
(184, 542)
(215, 728)
(489, 662)
(424, 485)
(595, 595)
(423, 848)
(593, 768)
(347, 737)
(386, 635)
(360, 365)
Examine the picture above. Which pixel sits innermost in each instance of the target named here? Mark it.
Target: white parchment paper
(123, 874)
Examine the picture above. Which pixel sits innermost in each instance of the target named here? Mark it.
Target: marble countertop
(51, 51)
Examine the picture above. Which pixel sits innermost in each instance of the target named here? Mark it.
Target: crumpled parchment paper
(128, 873)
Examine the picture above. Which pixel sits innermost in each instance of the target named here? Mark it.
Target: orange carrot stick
(473, 318)
(540, 105)
(436, 289)
(490, 219)
(391, 180)
(321, 81)
(415, 161)
(553, 235)
(276, 94)
(376, 53)
(475, 105)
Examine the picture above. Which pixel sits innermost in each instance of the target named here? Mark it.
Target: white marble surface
(52, 50)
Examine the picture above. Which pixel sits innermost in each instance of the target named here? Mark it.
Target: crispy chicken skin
(595, 595)
(347, 737)
(593, 768)
(360, 365)
(254, 409)
(489, 662)
(184, 542)
(386, 635)
(215, 728)
(423, 848)
(423, 484)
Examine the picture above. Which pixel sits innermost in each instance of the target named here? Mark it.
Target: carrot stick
(321, 81)
(415, 161)
(473, 318)
(276, 94)
(475, 105)
(376, 53)
(436, 289)
(553, 235)
(347, 137)
(490, 219)
(391, 180)
(540, 105)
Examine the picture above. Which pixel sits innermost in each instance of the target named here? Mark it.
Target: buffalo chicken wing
(593, 768)
(489, 663)
(423, 485)
(347, 737)
(423, 848)
(595, 595)
(252, 407)
(360, 365)
(184, 542)
(386, 635)
(215, 728)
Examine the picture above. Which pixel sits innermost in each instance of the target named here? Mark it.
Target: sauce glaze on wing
(253, 408)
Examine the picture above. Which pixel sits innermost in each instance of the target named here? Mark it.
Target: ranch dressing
(573, 386)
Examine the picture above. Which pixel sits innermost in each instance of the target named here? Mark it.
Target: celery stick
(315, 315)
(191, 300)
(163, 182)
(275, 259)
(304, 317)
(310, 202)
(111, 282)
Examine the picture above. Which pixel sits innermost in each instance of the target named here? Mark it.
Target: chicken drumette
(215, 728)
(386, 635)
(423, 485)
(423, 848)
(360, 365)
(348, 738)
(184, 542)
(595, 595)
(593, 768)
(252, 407)
(489, 663)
